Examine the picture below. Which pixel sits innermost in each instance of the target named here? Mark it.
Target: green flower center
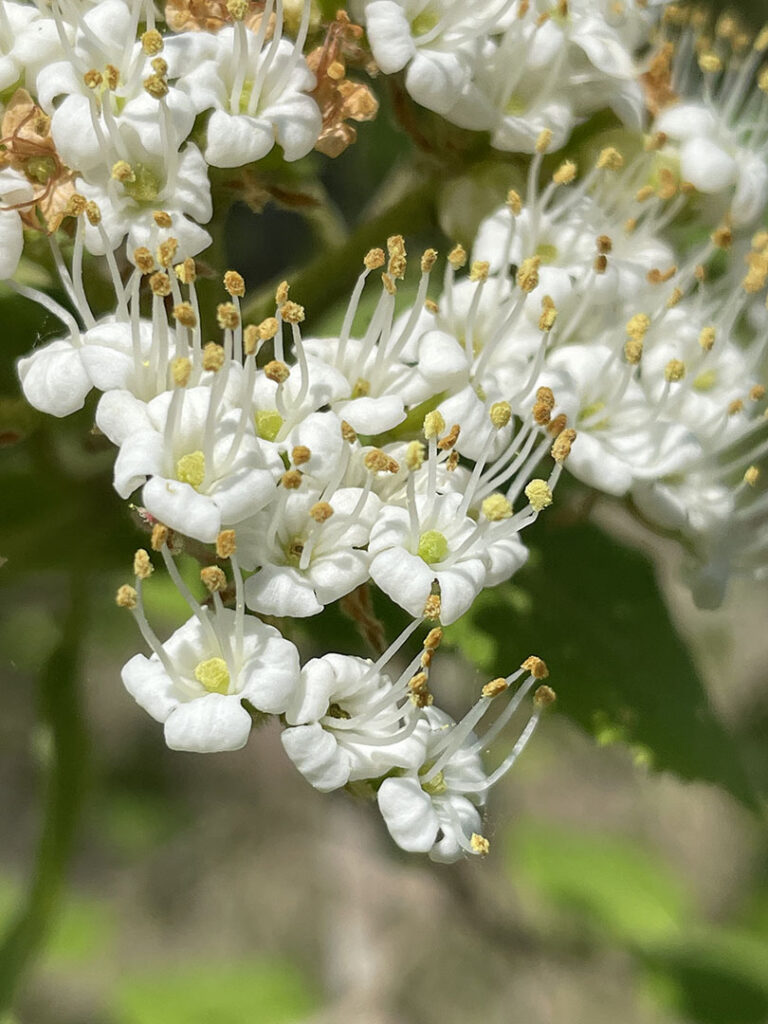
(435, 786)
(213, 674)
(515, 105)
(190, 469)
(424, 22)
(294, 549)
(706, 380)
(337, 711)
(547, 253)
(433, 547)
(145, 186)
(268, 423)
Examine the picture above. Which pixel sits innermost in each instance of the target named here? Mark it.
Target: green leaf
(714, 976)
(592, 609)
(265, 992)
(614, 885)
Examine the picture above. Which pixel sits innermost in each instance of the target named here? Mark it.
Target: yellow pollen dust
(214, 357)
(544, 696)
(528, 274)
(637, 326)
(494, 688)
(565, 173)
(213, 675)
(707, 338)
(674, 371)
(226, 544)
(142, 566)
(434, 424)
(414, 456)
(539, 495)
(126, 597)
(190, 469)
(536, 666)
(433, 546)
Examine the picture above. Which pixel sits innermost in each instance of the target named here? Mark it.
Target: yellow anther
(500, 414)
(93, 78)
(457, 257)
(756, 393)
(528, 273)
(610, 159)
(214, 357)
(389, 285)
(377, 461)
(126, 597)
(190, 469)
(227, 316)
(374, 259)
(604, 244)
(238, 8)
(156, 85)
(434, 424)
(735, 407)
(281, 293)
(321, 511)
(565, 173)
(446, 443)
(633, 351)
(181, 369)
(166, 252)
(151, 42)
(428, 260)
(674, 371)
(123, 172)
(710, 63)
(161, 536)
(539, 495)
(637, 326)
(496, 507)
(186, 271)
(234, 283)
(162, 219)
(480, 845)
(544, 140)
(144, 259)
(536, 666)
(751, 476)
(185, 314)
(93, 213)
(291, 479)
(548, 314)
(292, 312)
(544, 697)
(431, 306)
(277, 371)
(268, 328)
(160, 284)
(214, 579)
(300, 455)
(479, 270)
(226, 544)
(495, 687)
(348, 433)
(514, 202)
(414, 456)
(561, 449)
(142, 566)
(433, 639)
(433, 607)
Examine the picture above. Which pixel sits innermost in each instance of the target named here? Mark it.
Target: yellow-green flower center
(424, 22)
(268, 423)
(294, 549)
(435, 786)
(433, 547)
(213, 674)
(515, 106)
(546, 252)
(706, 380)
(190, 469)
(591, 410)
(145, 186)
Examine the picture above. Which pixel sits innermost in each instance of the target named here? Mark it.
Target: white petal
(54, 379)
(179, 506)
(208, 724)
(408, 814)
(281, 590)
(317, 756)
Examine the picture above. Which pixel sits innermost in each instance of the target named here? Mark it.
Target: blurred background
(628, 873)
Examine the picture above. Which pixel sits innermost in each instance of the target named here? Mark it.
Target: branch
(60, 711)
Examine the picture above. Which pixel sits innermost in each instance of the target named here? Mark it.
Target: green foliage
(613, 885)
(592, 609)
(265, 992)
(620, 895)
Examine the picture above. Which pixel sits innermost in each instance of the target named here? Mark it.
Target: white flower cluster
(410, 450)
(514, 67)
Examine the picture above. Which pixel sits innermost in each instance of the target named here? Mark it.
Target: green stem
(330, 276)
(61, 713)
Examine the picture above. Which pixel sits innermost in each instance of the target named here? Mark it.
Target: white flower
(431, 540)
(257, 96)
(349, 722)
(309, 552)
(435, 816)
(195, 684)
(14, 189)
(621, 437)
(27, 43)
(203, 466)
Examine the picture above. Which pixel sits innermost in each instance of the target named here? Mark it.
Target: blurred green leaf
(592, 609)
(713, 977)
(254, 993)
(613, 884)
